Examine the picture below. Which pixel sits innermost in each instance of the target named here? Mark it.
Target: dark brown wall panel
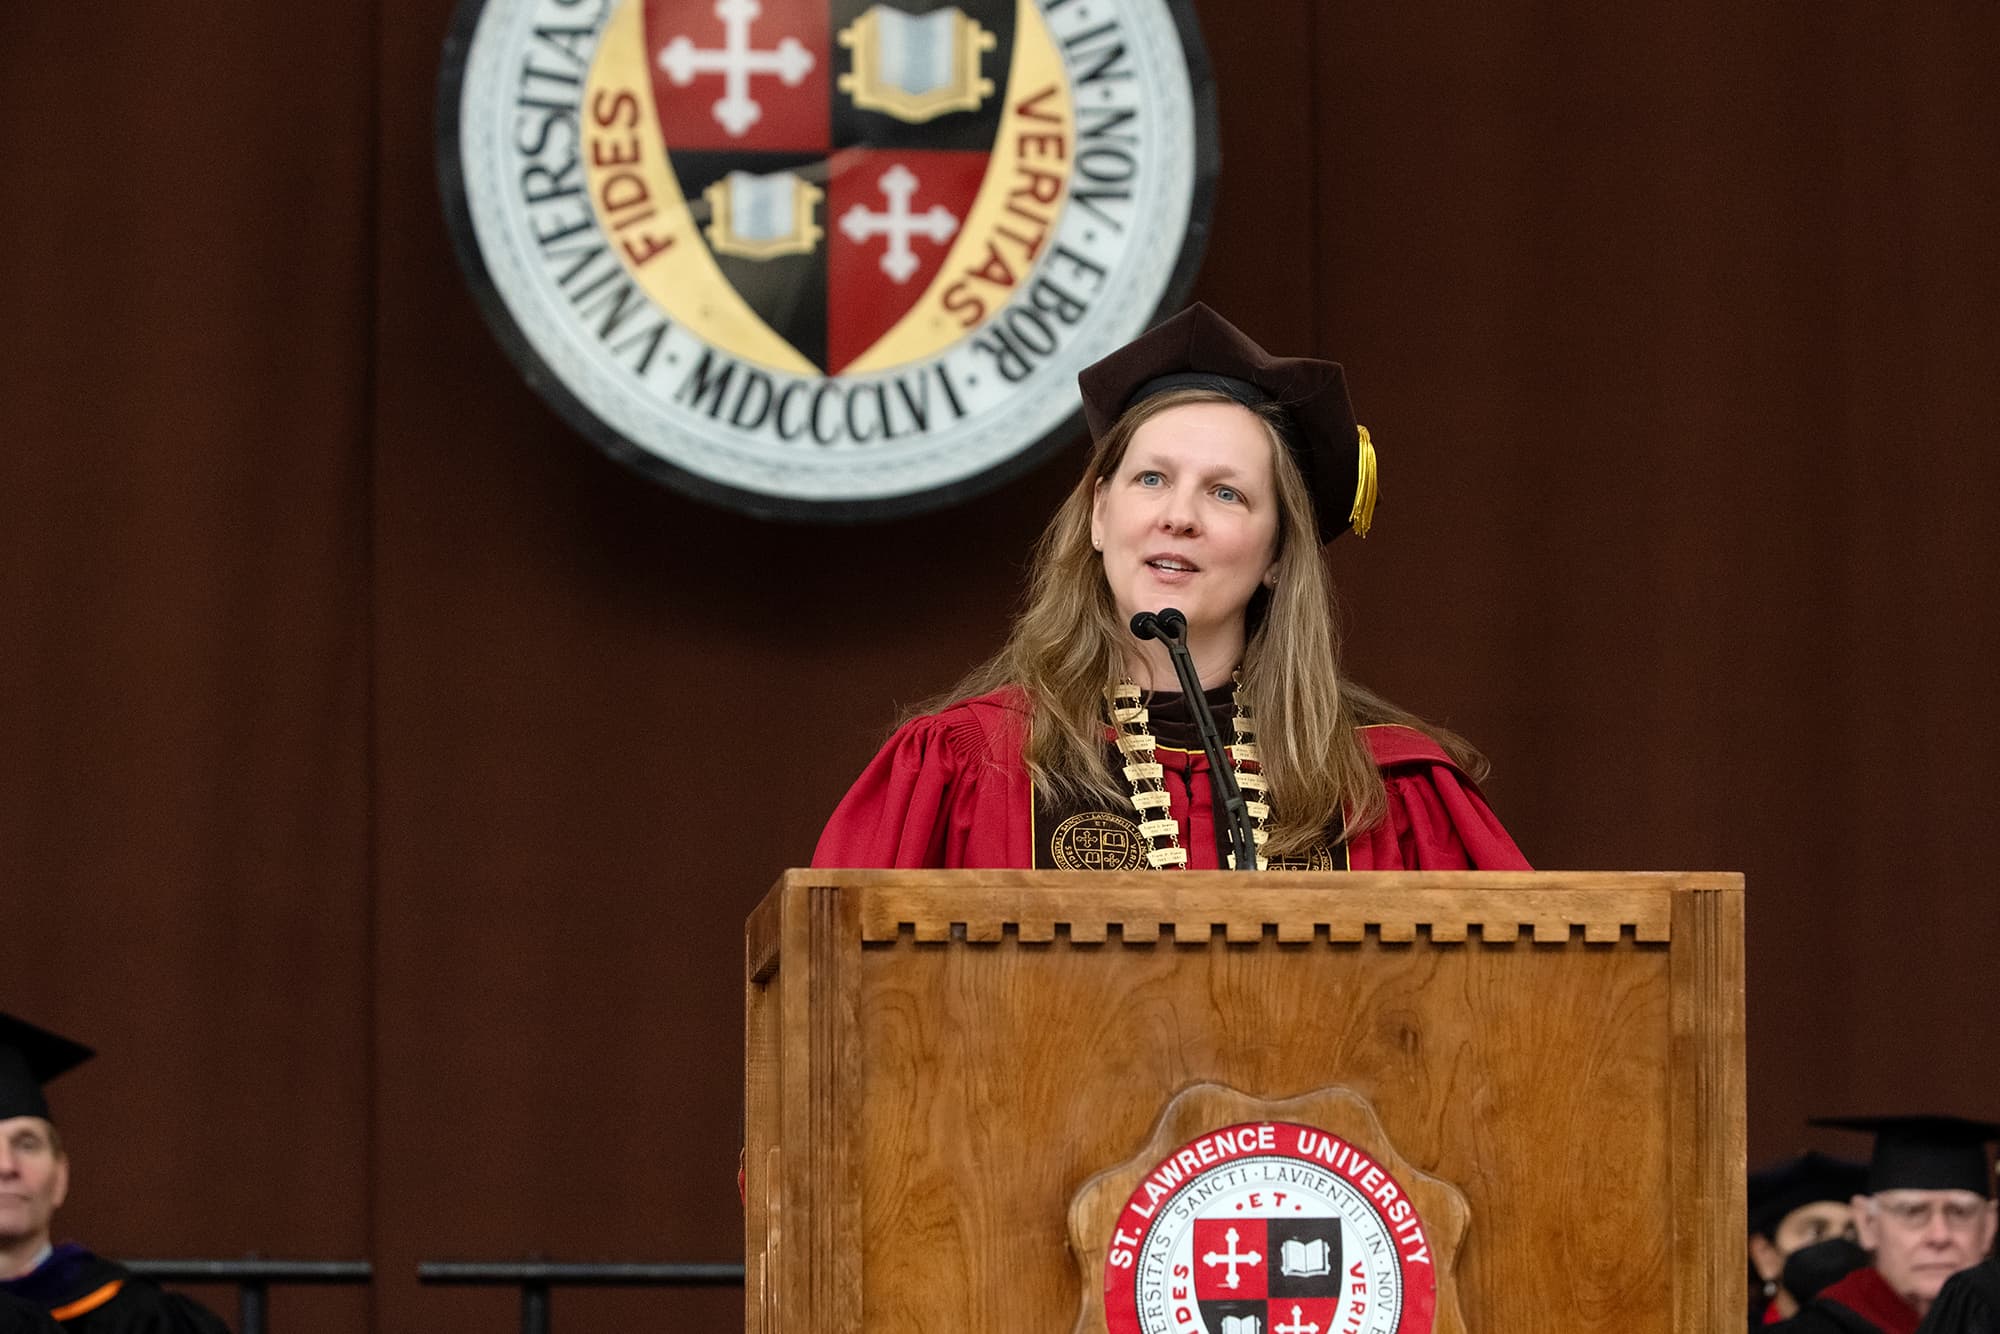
(1675, 309)
(184, 362)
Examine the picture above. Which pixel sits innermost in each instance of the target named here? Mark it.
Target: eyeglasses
(1961, 1212)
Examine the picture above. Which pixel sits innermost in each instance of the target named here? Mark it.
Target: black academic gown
(19, 1317)
(1969, 1304)
(88, 1294)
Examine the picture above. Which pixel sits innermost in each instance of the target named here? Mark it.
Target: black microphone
(1166, 624)
(1235, 836)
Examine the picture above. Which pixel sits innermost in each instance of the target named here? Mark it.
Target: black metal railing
(536, 1278)
(254, 1279)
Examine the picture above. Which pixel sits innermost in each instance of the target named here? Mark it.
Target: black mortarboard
(1198, 349)
(1807, 1179)
(29, 1058)
(1924, 1152)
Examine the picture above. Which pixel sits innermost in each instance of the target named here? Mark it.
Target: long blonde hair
(1069, 645)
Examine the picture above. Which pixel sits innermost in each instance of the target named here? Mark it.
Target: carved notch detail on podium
(1286, 916)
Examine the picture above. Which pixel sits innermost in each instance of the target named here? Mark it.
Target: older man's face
(34, 1178)
(1923, 1237)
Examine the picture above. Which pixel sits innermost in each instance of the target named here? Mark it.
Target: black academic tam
(1924, 1152)
(29, 1058)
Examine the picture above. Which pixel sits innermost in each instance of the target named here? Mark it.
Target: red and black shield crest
(831, 153)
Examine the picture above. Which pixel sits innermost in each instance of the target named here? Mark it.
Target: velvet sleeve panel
(1437, 820)
(947, 790)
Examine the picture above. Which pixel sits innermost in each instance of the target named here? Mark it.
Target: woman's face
(1189, 519)
(1813, 1222)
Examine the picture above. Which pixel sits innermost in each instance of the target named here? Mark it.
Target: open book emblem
(755, 216)
(1305, 1259)
(916, 67)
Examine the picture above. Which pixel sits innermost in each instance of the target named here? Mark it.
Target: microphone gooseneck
(1235, 836)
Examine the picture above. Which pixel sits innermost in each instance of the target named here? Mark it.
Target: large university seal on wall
(821, 258)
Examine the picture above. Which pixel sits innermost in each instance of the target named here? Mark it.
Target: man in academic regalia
(1928, 1212)
(82, 1292)
(1795, 1204)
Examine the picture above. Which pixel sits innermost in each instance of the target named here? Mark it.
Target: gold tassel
(1363, 517)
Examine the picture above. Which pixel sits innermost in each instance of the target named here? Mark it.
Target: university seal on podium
(824, 258)
(1097, 841)
(1272, 1226)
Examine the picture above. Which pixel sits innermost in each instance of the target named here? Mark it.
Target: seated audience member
(82, 1292)
(1794, 1204)
(1927, 1212)
(1969, 1304)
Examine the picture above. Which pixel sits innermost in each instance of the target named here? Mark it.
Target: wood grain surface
(960, 1052)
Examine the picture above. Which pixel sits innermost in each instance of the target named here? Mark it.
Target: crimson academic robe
(1861, 1303)
(87, 1294)
(950, 790)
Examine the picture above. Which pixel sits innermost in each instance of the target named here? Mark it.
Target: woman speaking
(1218, 474)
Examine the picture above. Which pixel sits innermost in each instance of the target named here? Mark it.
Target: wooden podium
(940, 1064)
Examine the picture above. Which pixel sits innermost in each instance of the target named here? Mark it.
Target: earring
(1770, 1288)
(1096, 544)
